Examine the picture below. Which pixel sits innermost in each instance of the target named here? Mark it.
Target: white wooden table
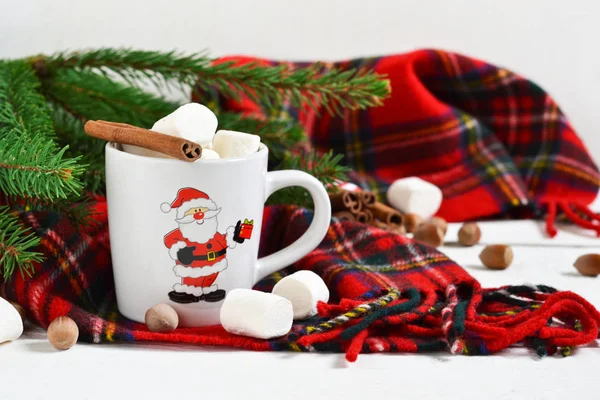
(32, 369)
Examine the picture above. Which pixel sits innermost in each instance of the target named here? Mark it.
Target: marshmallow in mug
(232, 144)
(304, 289)
(208, 154)
(415, 196)
(192, 121)
(256, 314)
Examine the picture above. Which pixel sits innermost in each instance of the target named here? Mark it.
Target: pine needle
(16, 244)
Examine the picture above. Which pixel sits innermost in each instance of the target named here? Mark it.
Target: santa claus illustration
(197, 247)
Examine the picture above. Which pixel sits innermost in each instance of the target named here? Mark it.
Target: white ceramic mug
(187, 233)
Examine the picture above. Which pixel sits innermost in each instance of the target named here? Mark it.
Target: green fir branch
(325, 167)
(31, 164)
(314, 85)
(21, 106)
(69, 131)
(30, 167)
(16, 244)
(90, 96)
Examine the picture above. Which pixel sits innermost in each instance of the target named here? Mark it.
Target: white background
(552, 42)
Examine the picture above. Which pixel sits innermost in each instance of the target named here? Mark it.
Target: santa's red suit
(209, 260)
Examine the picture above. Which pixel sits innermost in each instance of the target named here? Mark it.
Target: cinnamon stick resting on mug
(184, 150)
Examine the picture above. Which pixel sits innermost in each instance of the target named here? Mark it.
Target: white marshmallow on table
(232, 144)
(256, 314)
(191, 121)
(11, 324)
(304, 289)
(414, 195)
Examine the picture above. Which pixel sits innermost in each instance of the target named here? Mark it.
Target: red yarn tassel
(534, 324)
(550, 219)
(322, 337)
(554, 206)
(356, 345)
(577, 220)
(587, 212)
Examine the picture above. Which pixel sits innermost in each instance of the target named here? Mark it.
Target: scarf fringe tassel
(488, 321)
(579, 214)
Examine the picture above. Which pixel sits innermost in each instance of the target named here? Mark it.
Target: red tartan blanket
(494, 142)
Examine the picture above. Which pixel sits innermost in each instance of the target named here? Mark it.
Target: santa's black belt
(211, 255)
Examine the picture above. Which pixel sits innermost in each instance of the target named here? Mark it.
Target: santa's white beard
(199, 233)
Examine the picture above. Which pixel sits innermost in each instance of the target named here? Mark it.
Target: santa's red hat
(188, 198)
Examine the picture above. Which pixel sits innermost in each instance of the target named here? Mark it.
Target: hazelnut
(429, 234)
(398, 229)
(496, 256)
(412, 221)
(63, 333)
(161, 318)
(469, 234)
(441, 222)
(588, 264)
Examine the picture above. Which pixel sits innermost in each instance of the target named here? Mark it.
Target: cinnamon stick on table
(367, 198)
(345, 201)
(344, 216)
(397, 229)
(364, 216)
(387, 214)
(176, 147)
(378, 224)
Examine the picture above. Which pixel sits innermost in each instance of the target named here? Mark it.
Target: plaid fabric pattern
(493, 141)
(388, 294)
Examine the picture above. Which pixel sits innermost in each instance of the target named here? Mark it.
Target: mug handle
(314, 234)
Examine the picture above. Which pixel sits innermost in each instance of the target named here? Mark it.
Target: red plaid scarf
(494, 142)
(388, 294)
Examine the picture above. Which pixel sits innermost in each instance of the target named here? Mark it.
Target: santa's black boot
(215, 296)
(184, 298)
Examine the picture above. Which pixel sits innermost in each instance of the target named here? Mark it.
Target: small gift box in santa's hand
(246, 229)
(243, 231)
